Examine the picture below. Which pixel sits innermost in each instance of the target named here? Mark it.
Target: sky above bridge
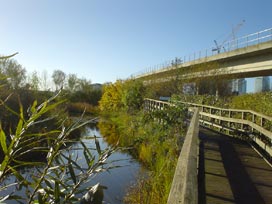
(106, 40)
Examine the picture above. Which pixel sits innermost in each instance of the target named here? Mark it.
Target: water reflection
(109, 131)
(113, 183)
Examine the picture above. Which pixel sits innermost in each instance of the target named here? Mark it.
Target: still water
(116, 181)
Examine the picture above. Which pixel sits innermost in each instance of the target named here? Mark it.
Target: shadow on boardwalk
(230, 171)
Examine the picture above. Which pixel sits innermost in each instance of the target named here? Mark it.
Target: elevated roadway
(248, 60)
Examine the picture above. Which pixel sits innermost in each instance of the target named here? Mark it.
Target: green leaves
(60, 179)
(9, 56)
(3, 141)
(72, 172)
(57, 192)
(97, 145)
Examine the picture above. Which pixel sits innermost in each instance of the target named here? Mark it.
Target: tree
(85, 85)
(34, 81)
(15, 73)
(132, 95)
(72, 82)
(111, 99)
(58, 79)
(44, 80)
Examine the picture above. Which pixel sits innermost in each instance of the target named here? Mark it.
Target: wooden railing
(151, 104)
(184, 185)
(244, 124)
(184, 188)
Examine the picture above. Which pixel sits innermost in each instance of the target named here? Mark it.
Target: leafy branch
(61, 179)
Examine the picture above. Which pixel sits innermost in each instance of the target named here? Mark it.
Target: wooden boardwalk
(230, 171)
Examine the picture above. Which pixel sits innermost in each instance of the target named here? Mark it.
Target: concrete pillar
(216, 91)
(197, 89)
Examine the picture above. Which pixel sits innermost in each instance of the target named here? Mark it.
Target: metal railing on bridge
(241, 42)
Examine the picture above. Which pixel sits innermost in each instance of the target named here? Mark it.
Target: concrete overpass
(248, 56)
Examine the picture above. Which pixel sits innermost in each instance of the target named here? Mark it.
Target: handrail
(232, 110)
(244, 124)
(184, 188)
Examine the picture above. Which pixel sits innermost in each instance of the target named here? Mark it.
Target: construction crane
(218, 47)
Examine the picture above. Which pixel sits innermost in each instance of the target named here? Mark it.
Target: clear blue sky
(105, 40)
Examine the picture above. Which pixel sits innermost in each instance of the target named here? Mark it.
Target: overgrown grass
(80, 107)
(154, 144)
(259, 102)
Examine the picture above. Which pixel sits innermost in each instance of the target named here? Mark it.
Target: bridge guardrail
(250, 124)
(245, 124)
(241, 42)
(184, 188)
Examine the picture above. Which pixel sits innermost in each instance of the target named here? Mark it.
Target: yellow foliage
(111, 99)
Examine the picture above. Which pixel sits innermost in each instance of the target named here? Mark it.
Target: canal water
(116, 181)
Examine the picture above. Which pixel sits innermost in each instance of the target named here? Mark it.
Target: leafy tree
(60, 179)
(133, 95)
(111, 99)
(34, 81)
(72, 82)
(16, 74)
(84, 85)
(122, 95)
(58, 79)
(44, 80)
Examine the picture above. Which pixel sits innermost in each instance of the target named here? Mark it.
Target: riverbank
(154, 144)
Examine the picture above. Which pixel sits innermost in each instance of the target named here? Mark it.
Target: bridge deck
(230, 171)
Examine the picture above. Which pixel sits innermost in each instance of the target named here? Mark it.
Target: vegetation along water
(45, 157)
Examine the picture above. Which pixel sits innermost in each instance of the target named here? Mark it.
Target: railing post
(242, 125)
(229, 123)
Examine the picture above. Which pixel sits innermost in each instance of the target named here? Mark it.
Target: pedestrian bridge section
(249, 56)
(230, 165)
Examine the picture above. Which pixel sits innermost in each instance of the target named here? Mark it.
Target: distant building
(96, 86)
(239, 86)
(262, 84)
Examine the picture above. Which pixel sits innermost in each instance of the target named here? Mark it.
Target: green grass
(155, 145)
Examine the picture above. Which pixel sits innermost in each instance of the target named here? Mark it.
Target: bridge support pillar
(216, 92)
(197, 89)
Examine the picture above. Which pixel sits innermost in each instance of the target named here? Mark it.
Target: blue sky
(105, 40)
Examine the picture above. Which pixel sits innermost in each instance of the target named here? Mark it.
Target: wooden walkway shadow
(230, 171)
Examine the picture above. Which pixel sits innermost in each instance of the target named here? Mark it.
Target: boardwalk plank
(230, 171)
